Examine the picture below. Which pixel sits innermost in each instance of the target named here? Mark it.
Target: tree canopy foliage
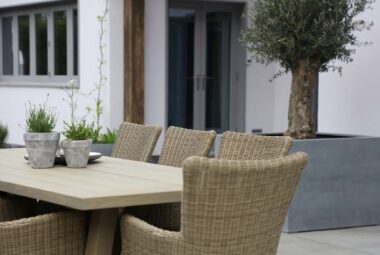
(317, 31)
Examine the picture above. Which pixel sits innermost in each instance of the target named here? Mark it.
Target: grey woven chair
(14, 207)
(56, 233)
(179, 144)
(228, 207)
(240, 146)
(136, 142)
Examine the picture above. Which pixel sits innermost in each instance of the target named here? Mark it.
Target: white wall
(156, 66)
(260, 95)
(350, 104)
(89, 54)
(281, 101)
(115, 108)
(259, 98)
(13, 99)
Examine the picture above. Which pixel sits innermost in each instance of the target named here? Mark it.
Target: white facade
(347, 104)
(13, 99)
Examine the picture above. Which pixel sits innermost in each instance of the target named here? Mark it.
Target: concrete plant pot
(340, 186)
(41, 148)
(104, 148)
(76, 152)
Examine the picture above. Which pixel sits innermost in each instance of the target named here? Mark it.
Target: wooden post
(134, 61)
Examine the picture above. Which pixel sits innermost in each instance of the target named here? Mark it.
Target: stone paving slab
(350, 241)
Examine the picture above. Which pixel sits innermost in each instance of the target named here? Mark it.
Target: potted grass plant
(77, 146)
(40, 139)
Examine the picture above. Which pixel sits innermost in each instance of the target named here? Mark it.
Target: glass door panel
(199, 66)
(181, 67)
(218, 71)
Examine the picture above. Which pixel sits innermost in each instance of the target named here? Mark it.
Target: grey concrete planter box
(104, 148)
(340, 186)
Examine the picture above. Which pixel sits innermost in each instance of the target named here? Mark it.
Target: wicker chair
(239, 146)
(228, 207)
(136, 142)
(179, 144)
(56, 233)
(14, 207)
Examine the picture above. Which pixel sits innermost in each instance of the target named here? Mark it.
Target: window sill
(25, 84)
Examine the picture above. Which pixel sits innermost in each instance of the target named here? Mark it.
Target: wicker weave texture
(136, 142)
(56, 233)
(240, 146)
(181, 143)
(229, 207)
(13, 207)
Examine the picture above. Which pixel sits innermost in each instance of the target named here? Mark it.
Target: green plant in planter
(40, 140)
(78, 131)
(40, 119)
(304, 37)
(107, 138)
(3, 134)
(77, 145)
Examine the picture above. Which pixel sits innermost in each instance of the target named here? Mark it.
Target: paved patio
(350, 241)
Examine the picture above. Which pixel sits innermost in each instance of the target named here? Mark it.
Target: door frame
(237, 59)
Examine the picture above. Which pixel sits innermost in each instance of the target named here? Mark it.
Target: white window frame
(34, 80)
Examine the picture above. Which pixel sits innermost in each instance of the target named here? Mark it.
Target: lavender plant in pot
(40, 139)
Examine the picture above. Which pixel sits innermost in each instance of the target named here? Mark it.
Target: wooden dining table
(103, 187)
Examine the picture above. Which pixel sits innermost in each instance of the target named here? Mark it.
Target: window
(39, 47)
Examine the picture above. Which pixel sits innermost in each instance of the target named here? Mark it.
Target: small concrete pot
(76, 152)
(41, 148)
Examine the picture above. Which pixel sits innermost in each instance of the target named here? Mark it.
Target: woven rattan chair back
(237, 207)
(181, 143)
(239, 146)
(12, 208)
(56, 233)
(136, 142)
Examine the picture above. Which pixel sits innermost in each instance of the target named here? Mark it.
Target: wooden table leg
(102, 231)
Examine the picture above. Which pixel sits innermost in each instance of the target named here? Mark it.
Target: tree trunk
(300, 115)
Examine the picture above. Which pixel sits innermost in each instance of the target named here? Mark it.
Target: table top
(106, 183)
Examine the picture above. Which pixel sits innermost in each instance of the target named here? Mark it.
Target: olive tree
(305, 37)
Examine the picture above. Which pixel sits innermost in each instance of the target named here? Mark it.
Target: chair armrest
(164, 216)
(139, 237)
(55, 233)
